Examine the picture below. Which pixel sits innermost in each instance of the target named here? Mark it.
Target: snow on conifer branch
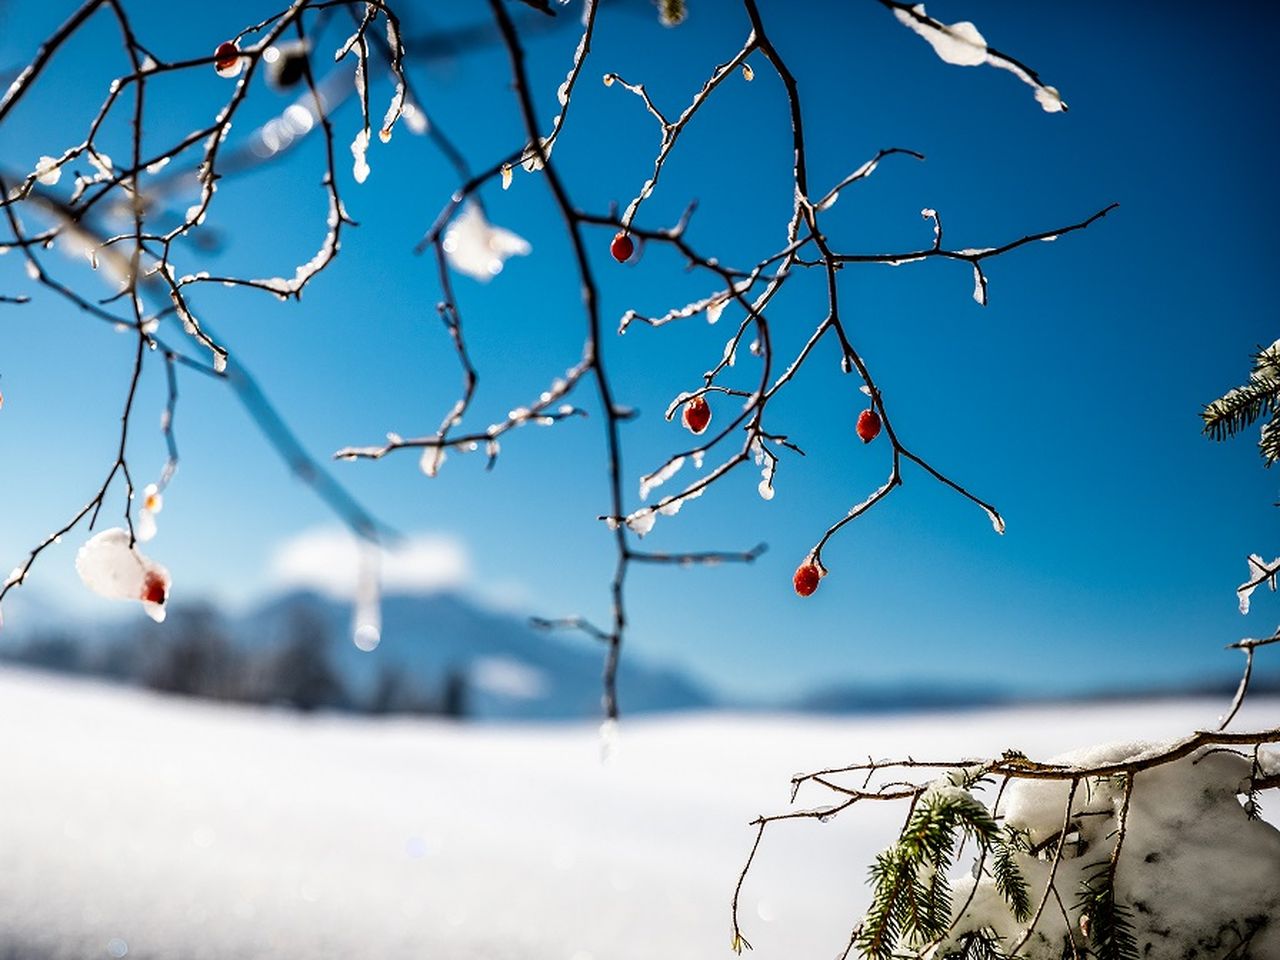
(1084, 837)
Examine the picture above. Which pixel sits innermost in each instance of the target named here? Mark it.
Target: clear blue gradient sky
(1071, 401)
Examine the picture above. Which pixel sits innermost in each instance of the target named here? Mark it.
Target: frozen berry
(154, 590)
(806, 578)
(226, 59)
(622, 248)
(868, 425)
(696, 415)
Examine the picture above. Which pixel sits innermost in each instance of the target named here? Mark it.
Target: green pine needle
(977, 945)
(1245, 405)
(912, 893)
(1109, 922)
(1009, 880)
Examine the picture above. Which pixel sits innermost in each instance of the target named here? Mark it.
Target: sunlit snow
(174, 829)
(960, 43)
(48, 171)
(477, 248)
(963, 45)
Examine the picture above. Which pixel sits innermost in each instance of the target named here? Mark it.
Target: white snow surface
(170, 828)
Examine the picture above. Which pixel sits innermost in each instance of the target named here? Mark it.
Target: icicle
(366, 627)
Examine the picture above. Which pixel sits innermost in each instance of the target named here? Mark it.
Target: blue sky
(1071, 401)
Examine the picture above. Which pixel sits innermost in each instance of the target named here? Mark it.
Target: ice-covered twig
(671, 129)
(962, 44)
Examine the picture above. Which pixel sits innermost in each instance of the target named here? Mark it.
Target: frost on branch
(112, 568)
(532, 158)
(360, 156)
(997, 521)
(432, 460)
(960, 43)
(979, 286)
(641, 522)
(477, 248)
(48, 172)
(396, 108)
(659, 476)
(292, 287)
(152, 503)
(963, 45)
(1259, 573)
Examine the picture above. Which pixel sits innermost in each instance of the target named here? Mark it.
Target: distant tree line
(195, 657)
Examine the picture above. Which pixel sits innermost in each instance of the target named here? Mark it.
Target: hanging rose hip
(697, 414)
(226, 59)
(154, 588)
(111, 565)
(868, 425)
(806, 578)
(623, 247)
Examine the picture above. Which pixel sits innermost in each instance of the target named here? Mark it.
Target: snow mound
(1197, 876)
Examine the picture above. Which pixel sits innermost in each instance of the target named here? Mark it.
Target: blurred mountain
(442, 654)
(511, 670)
(439, 653)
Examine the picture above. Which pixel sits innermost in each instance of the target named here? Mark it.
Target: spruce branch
(1106, 922)
(1244, 405)
(976, 945)
(912, 894)
(1009, 880)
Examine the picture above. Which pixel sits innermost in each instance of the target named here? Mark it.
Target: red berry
(806, 578)
(153, 588)
(868, 425)
(226, 56)
(623, 247)
(696, 415)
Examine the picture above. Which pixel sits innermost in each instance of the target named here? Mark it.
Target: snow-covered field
(163, 828)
